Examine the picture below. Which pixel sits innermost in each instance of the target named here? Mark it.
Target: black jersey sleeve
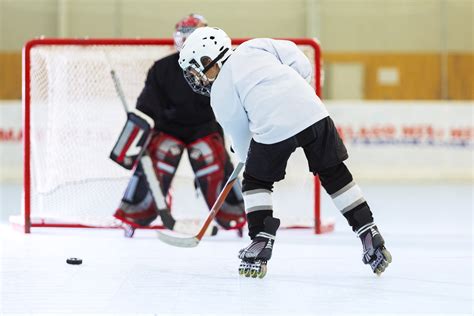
(149, 99)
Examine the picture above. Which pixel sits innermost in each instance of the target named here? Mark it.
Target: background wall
(403, 49)
(438, 138)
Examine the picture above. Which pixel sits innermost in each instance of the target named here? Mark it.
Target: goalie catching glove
(133, 140)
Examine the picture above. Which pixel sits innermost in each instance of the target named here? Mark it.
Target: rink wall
(386, 140)
(407, 140)
(11, 151)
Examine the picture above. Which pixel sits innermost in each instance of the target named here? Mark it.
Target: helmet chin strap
(212, 63)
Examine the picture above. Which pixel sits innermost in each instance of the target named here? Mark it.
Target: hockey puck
(74, 261)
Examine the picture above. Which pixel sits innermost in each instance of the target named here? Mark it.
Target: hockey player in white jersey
(262, 97)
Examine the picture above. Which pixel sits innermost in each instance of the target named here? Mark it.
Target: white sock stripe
(348, 197)
(366, 225)
(344, 189)
(266, 235)
(256, 191)
(353, 205)
(258, 200)
(165, 167)
(365, 228)
(207, 170)
(258, 208)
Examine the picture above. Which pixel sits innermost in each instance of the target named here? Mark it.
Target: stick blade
(183, 242)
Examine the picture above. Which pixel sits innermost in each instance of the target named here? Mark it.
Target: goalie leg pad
(233, 209)
(165, 153)
(137, 207)
(231, 216)
(235, 195)
(141, 214)
(137, 187)
(209, 160)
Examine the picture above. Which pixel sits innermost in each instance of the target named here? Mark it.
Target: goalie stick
(189, 242)
(181, 226)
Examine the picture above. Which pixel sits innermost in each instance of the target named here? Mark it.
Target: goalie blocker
(133, 140)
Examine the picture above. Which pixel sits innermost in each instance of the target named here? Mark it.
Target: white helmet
(204, 44)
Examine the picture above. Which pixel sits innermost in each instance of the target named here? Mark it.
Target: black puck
(74, 261)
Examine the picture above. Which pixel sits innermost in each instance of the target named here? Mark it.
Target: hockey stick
(189, 242)
(154, 185)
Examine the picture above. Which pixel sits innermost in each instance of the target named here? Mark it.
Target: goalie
(183, 121)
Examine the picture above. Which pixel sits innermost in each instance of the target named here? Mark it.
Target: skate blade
(253, 270)
(263, 271)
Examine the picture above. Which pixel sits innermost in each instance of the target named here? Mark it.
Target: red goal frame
(26, 223)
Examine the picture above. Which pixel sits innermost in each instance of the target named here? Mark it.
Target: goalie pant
(211, 165)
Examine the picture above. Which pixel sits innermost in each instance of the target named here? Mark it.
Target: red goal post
(40, 138)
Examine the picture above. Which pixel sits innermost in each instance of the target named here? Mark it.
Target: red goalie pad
(212, 167)
(165, 152)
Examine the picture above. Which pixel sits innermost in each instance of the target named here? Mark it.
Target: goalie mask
(185, 27)
(204, 48)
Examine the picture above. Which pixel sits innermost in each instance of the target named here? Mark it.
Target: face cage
(197, 80)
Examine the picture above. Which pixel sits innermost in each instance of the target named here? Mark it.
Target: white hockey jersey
(262, 91)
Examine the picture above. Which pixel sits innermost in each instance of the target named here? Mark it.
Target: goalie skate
(256, 255)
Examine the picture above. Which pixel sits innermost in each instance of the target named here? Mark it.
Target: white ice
(427, 228)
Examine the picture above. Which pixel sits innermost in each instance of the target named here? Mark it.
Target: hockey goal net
(72, 117)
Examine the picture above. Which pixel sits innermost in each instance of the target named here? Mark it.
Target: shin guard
(209, 159)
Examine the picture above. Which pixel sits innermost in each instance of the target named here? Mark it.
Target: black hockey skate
(374, 253)
(256, 255)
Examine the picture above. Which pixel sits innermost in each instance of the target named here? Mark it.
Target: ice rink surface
(427, 228)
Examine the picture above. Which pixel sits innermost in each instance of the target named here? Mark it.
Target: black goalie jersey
(176, 109)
